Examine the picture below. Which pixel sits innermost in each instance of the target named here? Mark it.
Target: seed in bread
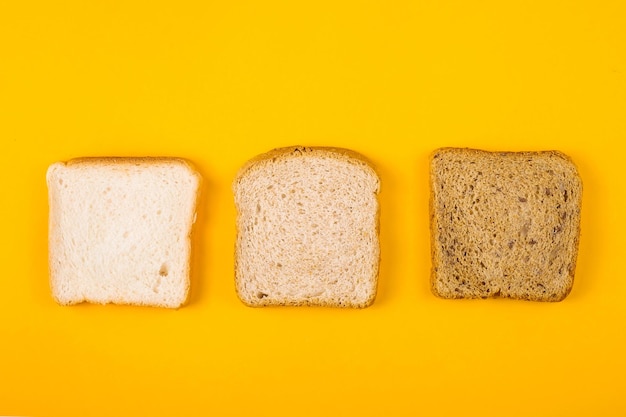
(504, 224)
(307, 228)
(119, 230)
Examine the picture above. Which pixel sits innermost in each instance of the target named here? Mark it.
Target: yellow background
(219, 82)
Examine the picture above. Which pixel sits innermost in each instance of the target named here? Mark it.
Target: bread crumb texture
(504, 224)
(307, 229)
(119, 230)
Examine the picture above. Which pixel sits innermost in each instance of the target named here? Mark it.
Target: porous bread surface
(119, 230)
(307, 228)
(504, 224)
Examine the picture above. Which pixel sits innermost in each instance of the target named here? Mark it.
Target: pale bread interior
(119, 230)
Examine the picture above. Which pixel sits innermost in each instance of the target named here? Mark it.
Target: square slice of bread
(504, 224)
(119, 230)
(307, 228)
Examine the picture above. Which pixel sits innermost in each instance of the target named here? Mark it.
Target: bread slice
(307, 228)
(504, 224)
(119, 230)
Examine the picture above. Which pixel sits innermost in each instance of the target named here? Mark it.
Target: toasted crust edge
(302, 151)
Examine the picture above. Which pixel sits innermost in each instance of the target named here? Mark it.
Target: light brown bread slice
(307, 229)
(119, 230)
(504, 224)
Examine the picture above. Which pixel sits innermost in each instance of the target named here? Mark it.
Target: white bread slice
(504, 224)
(307, 228)
(119, 230)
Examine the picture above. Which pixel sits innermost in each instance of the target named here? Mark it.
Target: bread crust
(297, 151)
(436, 249)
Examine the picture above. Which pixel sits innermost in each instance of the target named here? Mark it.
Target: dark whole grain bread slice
(504, 224)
